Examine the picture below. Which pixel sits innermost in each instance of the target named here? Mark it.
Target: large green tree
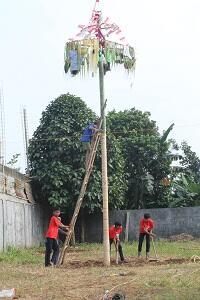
(57, 158)
(185, 183)
(190, 162)
(138, 160)
(146, 157)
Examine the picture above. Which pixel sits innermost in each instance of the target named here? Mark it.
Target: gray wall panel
(168, 221)
(21, 224)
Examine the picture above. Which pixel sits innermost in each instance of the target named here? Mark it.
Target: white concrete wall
(21, 224)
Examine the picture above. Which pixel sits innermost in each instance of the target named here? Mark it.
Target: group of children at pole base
(146, 226)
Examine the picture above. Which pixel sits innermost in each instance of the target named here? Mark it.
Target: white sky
(165, 34)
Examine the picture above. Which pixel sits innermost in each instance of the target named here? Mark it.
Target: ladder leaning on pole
(89, 167)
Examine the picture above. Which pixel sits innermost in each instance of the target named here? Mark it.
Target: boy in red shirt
(114, 232)
(51, 239)
(146, 227)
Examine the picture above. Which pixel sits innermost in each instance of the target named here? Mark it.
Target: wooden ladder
(89, 167)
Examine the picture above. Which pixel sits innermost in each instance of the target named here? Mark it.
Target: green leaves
(144, 162)
(57, 158)
(185, 187)
(56, 153)
(13, 161)
(138, 160)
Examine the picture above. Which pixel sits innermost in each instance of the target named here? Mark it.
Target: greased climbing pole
(92, 50)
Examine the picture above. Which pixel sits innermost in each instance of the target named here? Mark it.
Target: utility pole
(106, 244)
(2, 129)
(2, 138)
(26, 138)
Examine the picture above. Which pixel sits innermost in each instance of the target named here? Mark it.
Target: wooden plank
(30, 228)
(9, 217)
(1, 226)
(33, 222)
(27, 227)
(19, 225)
(37, 225)
(41, 225)
(4, 224)
(24, 220)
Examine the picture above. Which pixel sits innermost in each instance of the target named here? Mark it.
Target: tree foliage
(12, 162)
(190, 162)
(185, 187)
(138, 160)
(55, 153)
(146, 157)
(57, 158)
(184, 192)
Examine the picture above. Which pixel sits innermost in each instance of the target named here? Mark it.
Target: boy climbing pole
(52, 239)
(86, 138)
(146, 226)
(114, 232)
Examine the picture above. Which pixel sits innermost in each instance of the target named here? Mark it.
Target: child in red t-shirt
(146, 227)
(51, 238)
(114, 232)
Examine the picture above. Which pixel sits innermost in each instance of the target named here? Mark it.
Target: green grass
(24, 269)
(22, 256)
(164, 248)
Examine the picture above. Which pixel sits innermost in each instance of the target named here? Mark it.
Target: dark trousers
(51, 244)
(141, 239)
(119, 249)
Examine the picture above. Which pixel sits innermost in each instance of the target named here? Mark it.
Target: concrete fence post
(127, 226)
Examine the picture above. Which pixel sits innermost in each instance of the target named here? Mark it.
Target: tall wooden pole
(106, 244)
(26, 138)
(2, 128)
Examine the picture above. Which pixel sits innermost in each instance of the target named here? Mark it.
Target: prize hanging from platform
(82, 53)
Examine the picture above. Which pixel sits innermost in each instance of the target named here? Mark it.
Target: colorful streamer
(82, 52)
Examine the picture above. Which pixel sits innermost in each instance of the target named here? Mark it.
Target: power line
(76, 135)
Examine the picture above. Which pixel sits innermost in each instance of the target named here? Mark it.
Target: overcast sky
(165, 34)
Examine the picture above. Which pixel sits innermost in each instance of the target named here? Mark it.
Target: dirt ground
(83, 276)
